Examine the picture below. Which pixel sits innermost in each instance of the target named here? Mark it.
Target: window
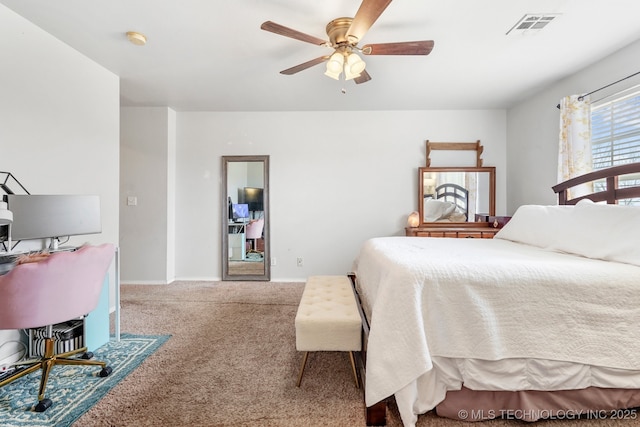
(615, 134)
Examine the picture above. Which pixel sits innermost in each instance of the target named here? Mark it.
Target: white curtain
(574, 155)
(472, 199)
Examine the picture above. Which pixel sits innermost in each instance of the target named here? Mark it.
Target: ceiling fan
(344, 36)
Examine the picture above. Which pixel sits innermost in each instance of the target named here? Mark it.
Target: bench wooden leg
(353, 368)
(304, 362)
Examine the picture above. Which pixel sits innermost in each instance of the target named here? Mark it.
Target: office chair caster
(87, 355)
(43, 405)
(105, 372)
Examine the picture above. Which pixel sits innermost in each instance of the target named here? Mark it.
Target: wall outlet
(273, 261)
(299, 261)
(132, 201)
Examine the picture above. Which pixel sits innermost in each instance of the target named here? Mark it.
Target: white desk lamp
(6, 218)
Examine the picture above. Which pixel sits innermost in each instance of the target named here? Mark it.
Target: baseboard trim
(207, 279)
(142, 282)
(197, 279)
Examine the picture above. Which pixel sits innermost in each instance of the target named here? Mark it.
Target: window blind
(615, 134)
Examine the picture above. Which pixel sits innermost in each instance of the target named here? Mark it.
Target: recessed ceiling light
(137, 38)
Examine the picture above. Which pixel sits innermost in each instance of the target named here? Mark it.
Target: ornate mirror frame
(231, 271)
(471, 188)
(455, 146)
(488, 196)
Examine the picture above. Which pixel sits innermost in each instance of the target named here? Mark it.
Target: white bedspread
(489, 299)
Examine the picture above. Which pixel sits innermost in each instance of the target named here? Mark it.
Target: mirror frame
(225, 219)
(492, 194)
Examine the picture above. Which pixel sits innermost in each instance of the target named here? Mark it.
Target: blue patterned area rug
(74, 389)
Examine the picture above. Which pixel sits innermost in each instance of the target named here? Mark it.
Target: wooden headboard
(456, 194)
(611, 192)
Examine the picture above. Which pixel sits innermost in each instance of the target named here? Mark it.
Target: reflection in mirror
(245, 218)
(456, 195)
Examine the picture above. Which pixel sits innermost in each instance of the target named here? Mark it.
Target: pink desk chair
(254, 232)
(63, 286)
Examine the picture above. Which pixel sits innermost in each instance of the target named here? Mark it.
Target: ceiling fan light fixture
(344, 35)
(348, 75)
(355, 64)
(336, 62)
(352, 72)
(333, 75)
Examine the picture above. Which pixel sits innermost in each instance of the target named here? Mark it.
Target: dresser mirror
(245, 218)
(452, 196)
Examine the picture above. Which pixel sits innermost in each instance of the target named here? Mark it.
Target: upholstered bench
(328, 319)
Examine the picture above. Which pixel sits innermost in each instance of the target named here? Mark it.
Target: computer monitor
(239, 211)
(52, 216)
(252, 196)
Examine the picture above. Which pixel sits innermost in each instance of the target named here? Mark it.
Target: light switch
(132, 200)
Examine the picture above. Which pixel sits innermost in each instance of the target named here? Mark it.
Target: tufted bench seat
(328, 319)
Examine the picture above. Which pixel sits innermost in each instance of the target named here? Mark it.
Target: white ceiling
(206, 55)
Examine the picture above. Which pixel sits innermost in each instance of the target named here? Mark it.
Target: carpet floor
(231, 361)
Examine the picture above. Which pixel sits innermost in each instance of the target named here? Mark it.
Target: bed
(457, 195)
(541, 321)
(450, 204)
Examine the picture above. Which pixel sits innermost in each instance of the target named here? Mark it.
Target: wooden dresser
(482, 231)
(458, 187)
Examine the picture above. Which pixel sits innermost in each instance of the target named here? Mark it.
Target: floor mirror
(245, 218)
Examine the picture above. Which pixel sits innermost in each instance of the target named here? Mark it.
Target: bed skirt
(590, 403)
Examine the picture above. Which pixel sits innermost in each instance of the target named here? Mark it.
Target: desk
(237, 241)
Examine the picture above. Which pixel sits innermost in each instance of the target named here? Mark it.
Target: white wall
(171, 196)
(533, 126)
(147, 160)
(237, 178)
(337, 179)
(59, 123)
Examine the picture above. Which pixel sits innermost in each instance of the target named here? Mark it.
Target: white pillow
(599, 231)
(437, 209)
(536, 225)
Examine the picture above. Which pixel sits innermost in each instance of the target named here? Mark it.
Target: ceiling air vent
(533, 22)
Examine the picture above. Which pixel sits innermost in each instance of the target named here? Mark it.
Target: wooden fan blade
(402, 48)
(304, 65)
(367, 14)
(364, 77)
(288, 32)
